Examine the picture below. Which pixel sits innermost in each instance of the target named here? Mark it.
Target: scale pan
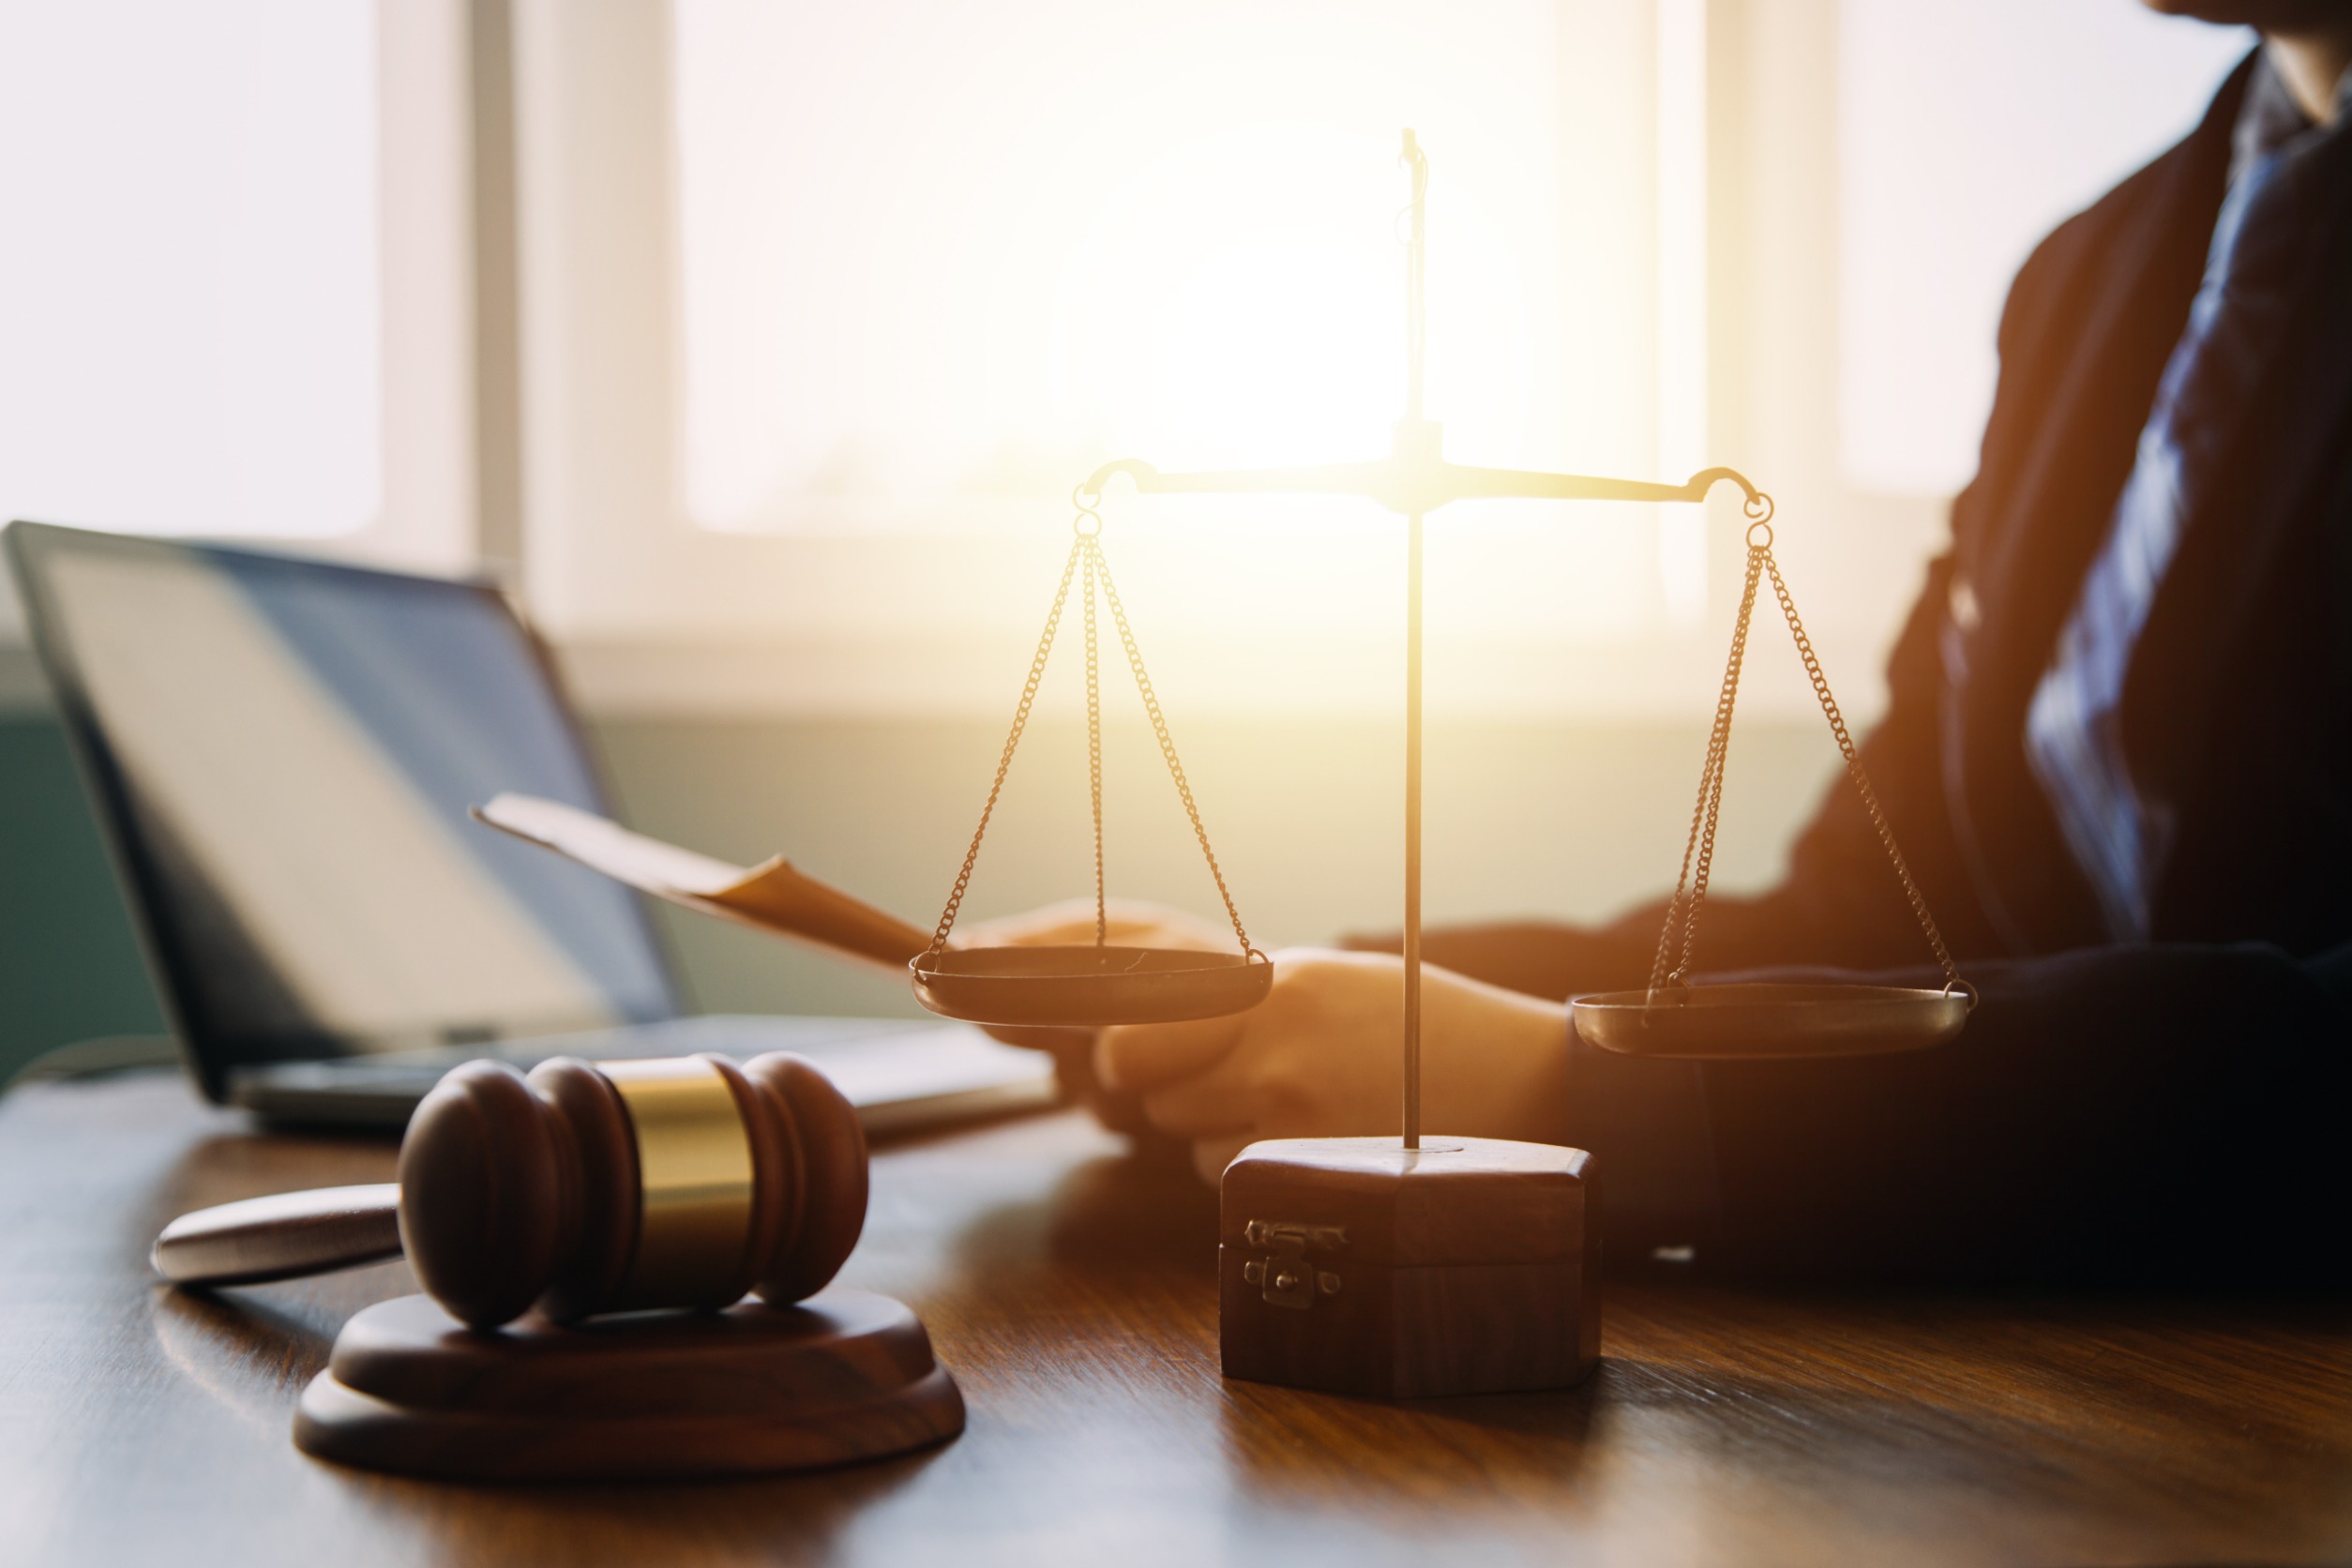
(1730, 1023)
(1088, 986)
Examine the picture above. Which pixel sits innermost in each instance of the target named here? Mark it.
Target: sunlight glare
(1044, 237)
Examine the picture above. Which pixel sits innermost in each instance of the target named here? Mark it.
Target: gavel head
(683, 1182)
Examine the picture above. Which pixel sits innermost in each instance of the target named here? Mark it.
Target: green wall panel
(1571, 821)
(69, 967)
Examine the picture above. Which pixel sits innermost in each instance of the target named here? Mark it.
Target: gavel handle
(281, 1237)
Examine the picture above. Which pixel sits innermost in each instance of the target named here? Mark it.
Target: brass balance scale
(1108, 984)
(1367, 1266)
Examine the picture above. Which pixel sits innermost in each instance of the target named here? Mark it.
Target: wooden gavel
(684, 1181)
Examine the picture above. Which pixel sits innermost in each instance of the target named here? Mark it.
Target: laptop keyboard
(899, 1073)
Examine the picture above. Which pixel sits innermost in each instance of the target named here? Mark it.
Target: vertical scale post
(1413, 831)
(1411, 429)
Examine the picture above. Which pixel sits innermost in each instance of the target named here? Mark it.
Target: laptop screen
(285, 751)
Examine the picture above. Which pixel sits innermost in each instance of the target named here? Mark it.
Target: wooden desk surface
(1073, 1293)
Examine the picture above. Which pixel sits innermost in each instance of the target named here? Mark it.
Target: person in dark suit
(2118, 755)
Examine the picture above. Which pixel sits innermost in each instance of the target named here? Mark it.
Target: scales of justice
(1395, 1267)
(1670, 1018)
(1388, 1266)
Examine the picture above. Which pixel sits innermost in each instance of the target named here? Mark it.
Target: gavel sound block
(621, 1212)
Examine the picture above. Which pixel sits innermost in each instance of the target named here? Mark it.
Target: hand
(1322, 1057)
(1129, 922)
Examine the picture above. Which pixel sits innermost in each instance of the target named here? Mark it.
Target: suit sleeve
(2170, 1113)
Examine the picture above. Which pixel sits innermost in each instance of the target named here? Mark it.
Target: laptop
(282, 753)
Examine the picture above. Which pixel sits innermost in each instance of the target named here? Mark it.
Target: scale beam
(1414, 487)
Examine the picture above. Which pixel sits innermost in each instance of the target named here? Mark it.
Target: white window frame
(432, 517)
(658, 614)
(1773, 350)
(429, 517)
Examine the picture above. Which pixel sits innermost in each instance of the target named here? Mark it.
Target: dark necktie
(2236, 322)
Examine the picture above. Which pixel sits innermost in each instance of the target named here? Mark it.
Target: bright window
(935, 256)
(1966, 133)
(191, 313)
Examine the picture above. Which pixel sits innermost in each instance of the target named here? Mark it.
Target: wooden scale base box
(1354, 1265)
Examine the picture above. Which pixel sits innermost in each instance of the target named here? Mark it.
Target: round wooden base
(843, 1376)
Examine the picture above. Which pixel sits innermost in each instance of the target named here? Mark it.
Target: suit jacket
(2108, 1111)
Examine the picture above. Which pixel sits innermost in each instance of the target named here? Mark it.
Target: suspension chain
(1862, 780)
(1012, 742)
(1682, 909)
(1167, 746)
(1699, 851)
(1086, 551)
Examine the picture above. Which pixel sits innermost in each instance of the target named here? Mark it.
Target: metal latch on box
(1287, 1276)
